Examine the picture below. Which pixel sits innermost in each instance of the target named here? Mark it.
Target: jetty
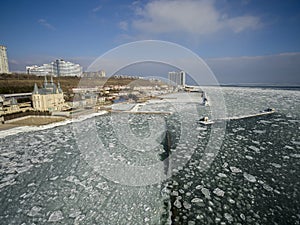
(206, 121)
(262, 113)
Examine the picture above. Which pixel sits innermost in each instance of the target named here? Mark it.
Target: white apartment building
(3, 60)
(177, 78)
(58, 68)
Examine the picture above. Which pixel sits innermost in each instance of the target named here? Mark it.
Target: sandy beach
(31, 121)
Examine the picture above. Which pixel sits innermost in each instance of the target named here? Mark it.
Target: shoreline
(8, 129)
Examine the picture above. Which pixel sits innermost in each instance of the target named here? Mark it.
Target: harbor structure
(57, 68)
(49, 97)
(177, 78)
(3, 60)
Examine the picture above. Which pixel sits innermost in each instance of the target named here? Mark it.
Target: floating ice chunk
(242, 216)
(35, 211)
(230, 200)
(276, 165)
(255, 142)
(254, 148)
(174, 193)
(267, 187)
(296, 142)
(186, 205)
(225, 165)
(235, 169)
(249, 177)
(31, 185)
(259, 131)
(288, 147)
(111, 145)
(295, 155)
(198, 187)
(219, 192)
(249, 157)
(195, 200)
(70, 178)
(8, 183)
(228, 217)
(177, 203)
(74, 214)
(222, 175)
(56, 216)
(206, 192)
(53, 178)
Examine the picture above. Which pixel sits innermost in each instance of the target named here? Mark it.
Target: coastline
(8, 129)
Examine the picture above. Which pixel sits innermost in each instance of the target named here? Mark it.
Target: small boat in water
(205, 121)
(268, 110)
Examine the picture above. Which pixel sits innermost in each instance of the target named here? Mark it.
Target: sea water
(47, 176)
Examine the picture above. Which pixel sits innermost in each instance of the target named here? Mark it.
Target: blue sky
(241, 40)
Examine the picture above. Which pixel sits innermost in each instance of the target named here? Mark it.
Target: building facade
(48, 98)
(100, 73)
(177, 78)
(58, 68)
(3, 60)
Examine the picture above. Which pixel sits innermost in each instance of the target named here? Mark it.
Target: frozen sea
(125, 169)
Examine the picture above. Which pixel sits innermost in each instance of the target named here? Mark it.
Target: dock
(250, 115)
(266, 112)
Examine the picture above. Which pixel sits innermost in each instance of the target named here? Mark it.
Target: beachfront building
(48, 98)
(100, 73)
(3, 60)
(58, 68)
(177, 78)
(8, 106)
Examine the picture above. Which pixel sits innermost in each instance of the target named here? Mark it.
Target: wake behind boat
(204, 99)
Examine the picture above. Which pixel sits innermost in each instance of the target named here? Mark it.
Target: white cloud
(44, 23)
(123, 25)
(199, 17)
(97, 9)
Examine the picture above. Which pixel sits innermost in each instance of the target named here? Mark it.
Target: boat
(206, 121)
(268, 111)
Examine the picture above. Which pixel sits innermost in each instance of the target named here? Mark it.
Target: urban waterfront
(49, 176)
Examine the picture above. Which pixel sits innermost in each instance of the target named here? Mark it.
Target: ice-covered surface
(254, 179)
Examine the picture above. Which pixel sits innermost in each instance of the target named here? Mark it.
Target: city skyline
(247, 41)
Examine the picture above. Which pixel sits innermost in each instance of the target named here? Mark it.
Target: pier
(250, 115)
(266, 112)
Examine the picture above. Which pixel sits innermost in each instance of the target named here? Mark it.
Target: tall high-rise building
(177, 78)
(3, 60)
(58, 68)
